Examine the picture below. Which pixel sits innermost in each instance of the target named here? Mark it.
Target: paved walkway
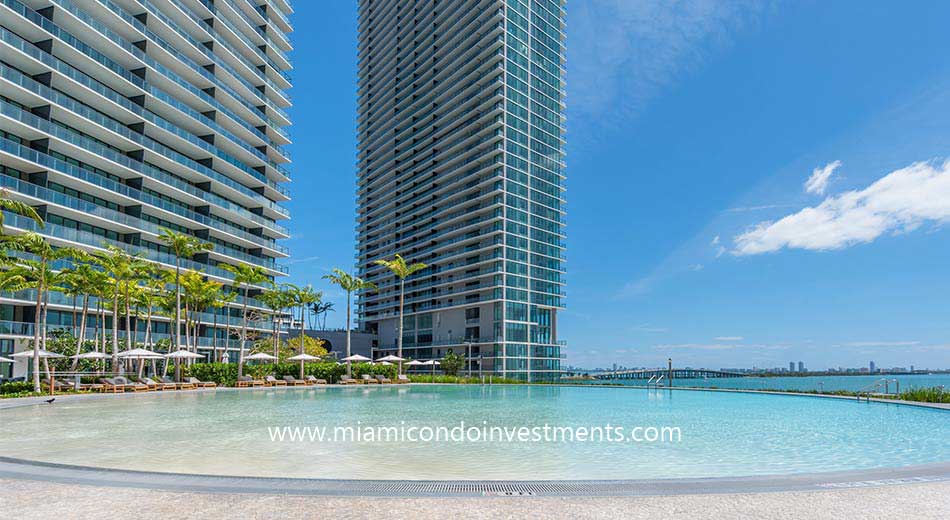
(32, 499)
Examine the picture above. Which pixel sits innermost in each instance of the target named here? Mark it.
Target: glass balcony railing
(89, 176)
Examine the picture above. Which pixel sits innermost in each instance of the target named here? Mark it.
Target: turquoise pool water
(722, 434)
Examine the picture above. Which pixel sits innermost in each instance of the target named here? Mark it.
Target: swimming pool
(226, 432)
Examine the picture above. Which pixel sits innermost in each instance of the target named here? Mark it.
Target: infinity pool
(721, 434)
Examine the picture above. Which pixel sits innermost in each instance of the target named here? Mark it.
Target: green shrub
(926, 395)
(16, 387)
(224, 374)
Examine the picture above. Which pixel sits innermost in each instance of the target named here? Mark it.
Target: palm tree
(221, 301)
(245, 275)
(304, 297)
(39, 277)
(20, 208)
(321, 309)
(183, 246)
(124, 270)
(402, 270)
(81, 279)
(149, 297)
(350, 284)
(277, 300)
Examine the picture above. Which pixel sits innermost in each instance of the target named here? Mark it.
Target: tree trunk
(402, 297)
(214, 337)
(303, 310)
(82, 330)
(128, 319)
(36, 332)
(243, 332)
(177, 344)
(116, 367)
(348, 365)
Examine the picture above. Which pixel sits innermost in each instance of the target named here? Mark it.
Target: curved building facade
(122, 117)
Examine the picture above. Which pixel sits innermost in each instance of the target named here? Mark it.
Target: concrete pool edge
(182, 482)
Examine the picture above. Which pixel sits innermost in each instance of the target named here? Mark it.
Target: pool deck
(31, 499)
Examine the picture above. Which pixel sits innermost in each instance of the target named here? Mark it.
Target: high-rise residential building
(791, 366)
(461, 167)
(801, 366)
(872, 368)
(121, 117)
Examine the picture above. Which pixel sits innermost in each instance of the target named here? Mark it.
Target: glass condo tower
(461, 166)
(122, 117)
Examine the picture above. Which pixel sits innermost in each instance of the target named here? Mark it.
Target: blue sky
(749, 183)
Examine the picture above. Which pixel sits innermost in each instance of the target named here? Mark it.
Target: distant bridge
(677, 373)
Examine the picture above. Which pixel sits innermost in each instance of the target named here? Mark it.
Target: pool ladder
(655, 381)
(867, 390)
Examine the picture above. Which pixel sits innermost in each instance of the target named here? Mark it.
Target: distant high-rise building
(791, 366)
(461, 167)
(801, 366)
(872, 367)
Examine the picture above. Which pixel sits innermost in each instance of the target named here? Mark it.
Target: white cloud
(728, 338)
(882, 344)
(819, 178)
(899, 202)
(715, 241)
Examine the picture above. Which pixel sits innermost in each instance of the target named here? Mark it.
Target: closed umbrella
(303, 358)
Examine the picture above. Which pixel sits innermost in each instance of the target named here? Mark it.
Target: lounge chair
(367, 379)
(110, 385)
(161, 384)
(314, 381)
(273, 381)
(152, 385)
(402, 378)
(246, 381)
(347, 380)
(201, 384)
(58, 386)
(180, 386)
(383, 379)
(293, 381)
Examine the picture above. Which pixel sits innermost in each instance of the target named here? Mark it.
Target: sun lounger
(246, 381)
(402, 378)
(383, 379)
(201, 384)
(367, 379)
(180, 386)
(152, 385)
(273, 381)
(293, 381)
(314, 381)
(347, 380)
(110, 385)
(160, 384)
(58, 386)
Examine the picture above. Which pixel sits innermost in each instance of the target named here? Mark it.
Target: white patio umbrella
(42, 354)
(415, 363)
(178, 355)
(6, 360)
(303, 358)
(141, 355)
(391, 358)
(95, 355)
(354, 357)
(260, 356)
(433, 364)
